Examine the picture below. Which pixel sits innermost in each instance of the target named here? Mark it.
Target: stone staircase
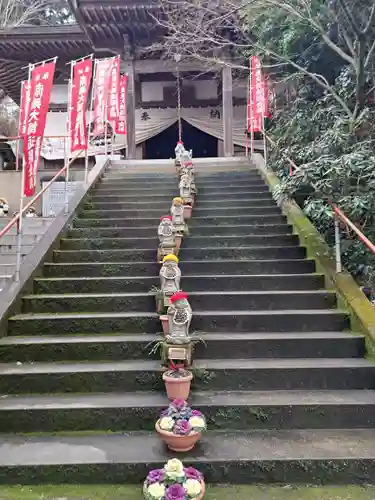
(284, 385)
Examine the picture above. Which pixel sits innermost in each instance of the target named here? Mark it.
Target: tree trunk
(360, 97)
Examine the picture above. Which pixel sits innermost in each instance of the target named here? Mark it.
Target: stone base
(179, 352)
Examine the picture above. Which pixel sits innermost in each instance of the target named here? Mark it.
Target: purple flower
(192, 473)
(175, 492)
(196, 413)
(179, 403)
(182, 427)
(155, 476)
(164, 413)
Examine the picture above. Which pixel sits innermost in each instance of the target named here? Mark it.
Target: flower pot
(177, 388)
(164, 323)
(187, 211)
(176, 442)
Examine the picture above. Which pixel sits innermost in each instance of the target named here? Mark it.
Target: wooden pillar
(131, 151)
(228, 111)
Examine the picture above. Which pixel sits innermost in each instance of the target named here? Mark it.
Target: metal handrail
(17, 219)
(338, 214)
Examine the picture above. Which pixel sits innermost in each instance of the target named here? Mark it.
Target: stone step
(10, 258)
(119, 195)
(118, 347)
(190, 283)
(151, 188)
(12, 249)
(237, 410)
(145, 302)
(191, 254)
(205, 321)
(173, 181)
(232, 220)
(7, 269)
(165, 205)
(198, 212)
(218, 374)
(190, 242)
(222, 267)
(303, 456)
(264, 240)
(202, 203)
(28, 223)
(252, 220)
(137, 179)
(149, 193)
(11, 239)
(203, 230)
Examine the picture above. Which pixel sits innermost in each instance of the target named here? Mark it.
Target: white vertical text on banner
(113, 96)
(121, 122)
(101, 85)
(82, 72)
(39, 88)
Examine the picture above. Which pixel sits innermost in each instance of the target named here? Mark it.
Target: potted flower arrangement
(177, 381)
(174, 482)
(179, 426)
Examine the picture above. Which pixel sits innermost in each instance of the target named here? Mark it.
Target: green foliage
(335, 157)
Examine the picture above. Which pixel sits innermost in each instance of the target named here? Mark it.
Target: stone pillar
(131, 151)
(227, 93)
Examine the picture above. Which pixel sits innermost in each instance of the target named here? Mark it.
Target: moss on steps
(220, 492)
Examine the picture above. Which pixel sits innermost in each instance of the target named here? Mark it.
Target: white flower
(193, 487)
(174, 469)
(156, 490)
(197, 422)
(166, 423)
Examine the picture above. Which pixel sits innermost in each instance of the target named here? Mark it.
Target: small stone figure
(166, 236)
(178, 151)
(170, 275)
(186, 188)
(177, 211)
(4, 207)
(179, 319)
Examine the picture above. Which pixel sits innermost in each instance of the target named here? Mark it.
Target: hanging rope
(179, 104)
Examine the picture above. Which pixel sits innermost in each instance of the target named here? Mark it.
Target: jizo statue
(179, 319)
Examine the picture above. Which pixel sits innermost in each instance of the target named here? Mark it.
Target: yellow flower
(156, 490)
(174, 469)
(178, 199)
(169, 257)
(197, 422)
(193, 487)
(166, 423)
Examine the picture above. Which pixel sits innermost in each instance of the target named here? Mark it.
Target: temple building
(213, 101)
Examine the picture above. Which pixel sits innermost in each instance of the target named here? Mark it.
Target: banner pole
(91, 101)
(68, 149)
(22, 190)
(20, 125)
(251, 108)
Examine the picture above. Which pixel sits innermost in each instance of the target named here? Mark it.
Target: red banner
(80, 86)
(101, 84)
(121, 119)
(257, 107)
(40, 86)
(113, 97)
